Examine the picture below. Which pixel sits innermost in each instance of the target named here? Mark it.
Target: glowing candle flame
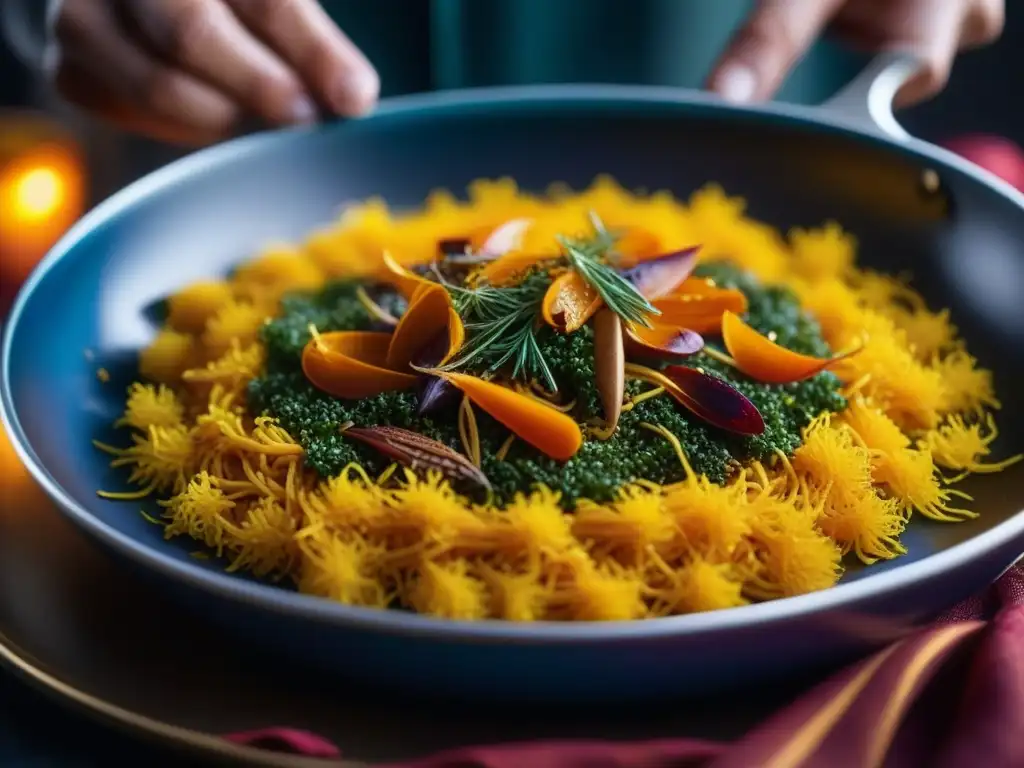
(38, 193)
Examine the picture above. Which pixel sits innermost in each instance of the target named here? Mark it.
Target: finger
(80, 89)
(207, 40)
(983, 23)
(933, 30)
(332, 67)
(770, 42)
(93, 45)
(929, 29)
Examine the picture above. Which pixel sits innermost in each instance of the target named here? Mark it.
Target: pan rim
(277, 600)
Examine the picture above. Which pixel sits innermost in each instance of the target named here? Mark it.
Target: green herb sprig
(588, 258)
(502, 328)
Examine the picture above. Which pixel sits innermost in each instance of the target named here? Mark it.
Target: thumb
(933, 35)
(763, 51)
(932, 30)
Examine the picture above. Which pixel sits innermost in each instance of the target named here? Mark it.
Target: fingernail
(355, 94)
(303, 110)
(736, 83)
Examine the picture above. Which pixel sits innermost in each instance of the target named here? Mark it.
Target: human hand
(190, 71)
(779, 32)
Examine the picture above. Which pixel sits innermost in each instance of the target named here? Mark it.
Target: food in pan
(601, 405)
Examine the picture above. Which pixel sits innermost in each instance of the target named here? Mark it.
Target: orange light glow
(38, 194)
(42, 191)
(11, 468)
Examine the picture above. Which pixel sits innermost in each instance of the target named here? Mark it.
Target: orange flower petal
(507, 268)
(701, 312)
(545, 428)
(404, 281)
(456, 335)
(637, 245)
(762, 359)
(352, 364)
(700, 286)
(430, 312)
(569, 302)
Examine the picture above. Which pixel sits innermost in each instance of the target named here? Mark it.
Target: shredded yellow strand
(468, 431)
(677, 446)
(721, 357)
(505, 447)
(126, 495)
(961, 446)
(373, 308)
(655, 392)
(534, 392)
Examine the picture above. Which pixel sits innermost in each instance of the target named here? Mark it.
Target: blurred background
(56, 163)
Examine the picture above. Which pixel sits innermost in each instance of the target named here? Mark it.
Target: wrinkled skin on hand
(192, 71)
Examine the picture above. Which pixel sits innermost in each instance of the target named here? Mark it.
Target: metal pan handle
(866, 101)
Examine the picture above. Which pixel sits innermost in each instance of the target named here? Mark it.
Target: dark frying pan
(912, 206)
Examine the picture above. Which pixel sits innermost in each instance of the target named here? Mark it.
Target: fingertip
(735, 82)
(925, 85)
(768, 45)
(303, 111)
(355, 92)
(913, 93)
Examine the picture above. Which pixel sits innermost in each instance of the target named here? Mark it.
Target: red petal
(714, 401)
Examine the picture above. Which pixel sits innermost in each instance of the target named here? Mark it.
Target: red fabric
(872, 714)
(290, 740)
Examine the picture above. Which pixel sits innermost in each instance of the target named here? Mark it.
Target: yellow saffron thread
(505, 447)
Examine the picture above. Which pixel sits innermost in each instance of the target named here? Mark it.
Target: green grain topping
(600, 467)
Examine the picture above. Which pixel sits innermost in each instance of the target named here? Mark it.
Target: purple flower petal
(435, 392)
(686, 342)
(715, 401)
(433, 352)
(680, 346)
(658, 277)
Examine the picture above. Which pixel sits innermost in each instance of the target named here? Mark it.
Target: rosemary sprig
(502, 328)
(619, 295)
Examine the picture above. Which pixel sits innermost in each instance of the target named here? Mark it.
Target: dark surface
(37, 731)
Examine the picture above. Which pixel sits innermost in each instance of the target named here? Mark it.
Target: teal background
(420, 45)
